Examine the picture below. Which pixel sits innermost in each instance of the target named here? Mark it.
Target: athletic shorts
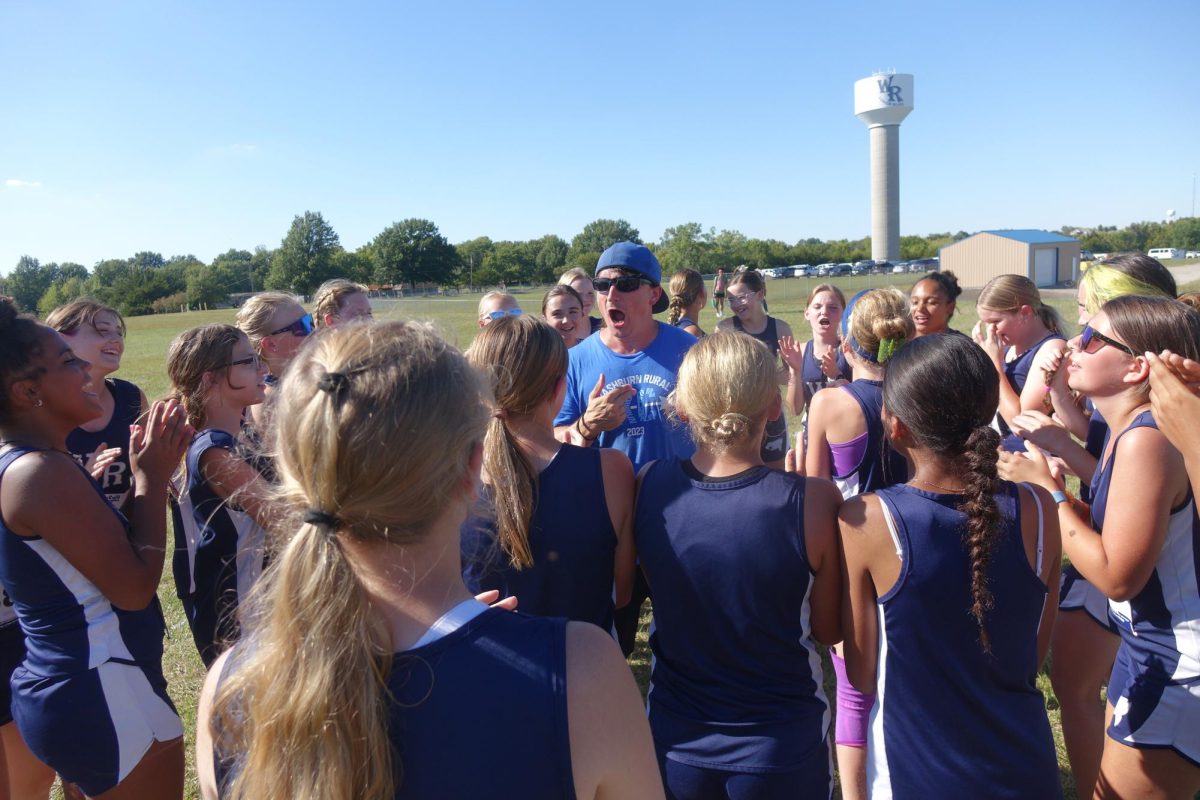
(1076, 593)
(718, 295)
(1150, 710)
(12, 653)
(94, 727)
(812, 779)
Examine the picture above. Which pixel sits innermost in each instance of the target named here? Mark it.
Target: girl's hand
(157, 445)
(791, 353)
(1174, 404)
(829, 364)
(1036, 427)
(99, 460)
(492, 598)
(1031, 467)
(987, 337)
(1185, 369)
(794, 460)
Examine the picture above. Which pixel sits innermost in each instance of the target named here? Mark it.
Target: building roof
(1031, 236)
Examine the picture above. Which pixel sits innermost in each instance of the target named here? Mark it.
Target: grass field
(144, 365)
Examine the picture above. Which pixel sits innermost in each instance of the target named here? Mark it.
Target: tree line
(413, 253)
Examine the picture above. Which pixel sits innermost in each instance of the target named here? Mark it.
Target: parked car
(899, 266)
(824, 269)
(924, 265)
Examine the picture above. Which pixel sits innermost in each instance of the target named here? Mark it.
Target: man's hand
(605, 412)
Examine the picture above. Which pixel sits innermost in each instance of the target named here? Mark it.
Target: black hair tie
(336, 383)
(322, 519)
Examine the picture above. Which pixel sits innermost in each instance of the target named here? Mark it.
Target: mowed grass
(144, 363)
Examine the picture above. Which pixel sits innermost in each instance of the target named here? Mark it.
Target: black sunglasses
(1090, 334)
(301, 327)
(625, 283)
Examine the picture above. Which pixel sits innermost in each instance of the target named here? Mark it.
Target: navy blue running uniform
(117, 480)
(952, 720)
(1155, 683)
(478, 669)
(1017, 374)
(814, 378)
(735, 691)
(218, 552)
(879, 465)
(775, 437)
(571, 539)
(1076, 591)
(90, 697)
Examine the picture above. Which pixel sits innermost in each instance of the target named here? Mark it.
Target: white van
(1166, 252)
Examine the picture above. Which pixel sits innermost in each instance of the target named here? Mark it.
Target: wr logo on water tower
(889, 93)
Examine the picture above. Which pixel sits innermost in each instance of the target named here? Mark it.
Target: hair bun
(730, 425)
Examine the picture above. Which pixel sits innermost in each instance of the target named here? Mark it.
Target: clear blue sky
(194, 127)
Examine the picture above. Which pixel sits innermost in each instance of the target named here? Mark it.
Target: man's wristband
(579, 428)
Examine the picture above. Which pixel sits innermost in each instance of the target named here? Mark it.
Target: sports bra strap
(891, 526)
(1041, 525)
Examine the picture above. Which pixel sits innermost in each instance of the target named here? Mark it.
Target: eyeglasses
(254, 360)
(625, 283)
(1090, 334)
(504, 312)
(301, 327)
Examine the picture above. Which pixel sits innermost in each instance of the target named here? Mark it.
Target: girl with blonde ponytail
(562, 514)
(363, 656)
(947, 578)
(687, 301)
(743, 564)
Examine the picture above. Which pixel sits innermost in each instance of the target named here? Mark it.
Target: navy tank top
(768, 336)
(816, 380)
(736, 681)
(1017, 373)
(502, 674)
(571, 539)
(880, 465)
(117, 480)
(70, 626)
(951, 720)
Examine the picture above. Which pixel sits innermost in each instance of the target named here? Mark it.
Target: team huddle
(416, 572)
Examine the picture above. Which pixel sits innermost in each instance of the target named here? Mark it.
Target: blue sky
(197, 127)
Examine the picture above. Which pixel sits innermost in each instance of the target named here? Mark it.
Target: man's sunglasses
(254, 360)
(1090, 334)
(625, 283)
(301, 327)
(503, 312)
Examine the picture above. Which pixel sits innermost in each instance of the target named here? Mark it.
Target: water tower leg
(885, 192)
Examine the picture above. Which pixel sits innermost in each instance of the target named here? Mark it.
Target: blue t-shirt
(646, 433)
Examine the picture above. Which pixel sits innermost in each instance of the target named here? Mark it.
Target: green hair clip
(888, 348)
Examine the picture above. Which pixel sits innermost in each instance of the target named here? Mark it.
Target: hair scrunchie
(335, 383)
(888, 348)
(322, 519)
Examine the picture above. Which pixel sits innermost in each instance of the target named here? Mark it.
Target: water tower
(882, 101)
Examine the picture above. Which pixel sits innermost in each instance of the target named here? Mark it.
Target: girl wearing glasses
(495, 305)
(277, 326)
(561, 540)
(89, 699)
(1146, 561)
(1024, 337)
(365, 658)
(221, 512)
(747, 295)
(1085, 640)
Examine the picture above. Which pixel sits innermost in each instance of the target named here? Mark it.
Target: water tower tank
(882, 101)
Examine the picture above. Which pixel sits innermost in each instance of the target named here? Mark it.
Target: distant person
(946, 593)
(562, 308)
(558, 531)
(619, 380)
(278, 326)
(1024, 337)
(364, 657)
(96, 333)
(579, 280)
(688, 299)
(747, 299)
(222, 512)
(744, 566)
(718, 295)
(933, 302)
(340, 300)
(821, 363)
(495, 305)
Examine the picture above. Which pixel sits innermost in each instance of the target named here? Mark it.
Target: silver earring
(38, 404)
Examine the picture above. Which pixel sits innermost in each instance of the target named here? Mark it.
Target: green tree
(506, 262)
(598, 236)
(61, 293)
(354, 266)
(549, 257)
(413, 251)
(304, 259)
(28, 281)
(471, 255)
(683, 246)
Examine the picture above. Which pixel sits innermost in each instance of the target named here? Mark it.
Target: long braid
(983, 519)
(676, 310)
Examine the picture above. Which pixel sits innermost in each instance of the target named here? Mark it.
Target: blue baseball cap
(635, 258)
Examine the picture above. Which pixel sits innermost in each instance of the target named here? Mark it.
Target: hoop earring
(38, 404)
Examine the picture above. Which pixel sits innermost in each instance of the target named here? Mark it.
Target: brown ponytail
(983, 519)
(686, 285)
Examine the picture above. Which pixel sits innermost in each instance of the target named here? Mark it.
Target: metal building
(1045, 258)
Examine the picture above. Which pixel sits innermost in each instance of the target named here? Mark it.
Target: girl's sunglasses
(503, 312)
(1090, 334)
(625, 283)
(254, 360)
(301, 327)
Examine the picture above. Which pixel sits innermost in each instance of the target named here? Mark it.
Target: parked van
(1166, 252)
